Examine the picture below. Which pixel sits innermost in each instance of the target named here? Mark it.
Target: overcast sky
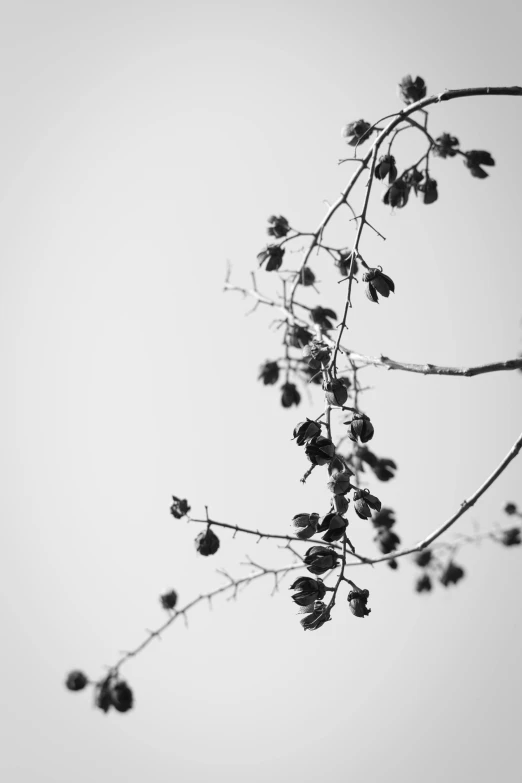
(144, 144)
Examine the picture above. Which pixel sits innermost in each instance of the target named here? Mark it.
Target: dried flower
(510, 509)
(412, 90)
(319, 450)
(306, 525)
(451, 574)
(363, 502)
(169, 600)
(384, 469)
(386, 540)
(76, 681)
(316, 617)
(299, 336)
(338, 465)
(306, 430)
(397, 194)
(360, 428)
(358, 600)
(393, 564)
(475, 159)
(445, 146)
(278, 226)
(334, 525)
(317, 354)
(321, 316)
(179, 508)
(273, 256)
(511, 537)
(385, 167)
(429, 188)
(289, 395)
(423, 558)
(308, 590)
(269, 373)
(207, 543)
(335, 391)
(103, 698)
(356, 132)
(384, 518)
(345, 262)
(306, 276)
(340, 484)
(377, 283)
(319, 559)
(423, 584)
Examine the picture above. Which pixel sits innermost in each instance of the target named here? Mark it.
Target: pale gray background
(143, 144)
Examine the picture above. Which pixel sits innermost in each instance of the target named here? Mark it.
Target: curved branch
(434, 369)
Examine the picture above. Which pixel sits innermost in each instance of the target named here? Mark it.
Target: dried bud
(339, 484)
(445, 145)
(429, 188)
(387, 540)
(358, 600)
(345, 262)
(334, 525)
(317, 354)
(341, 503)
(321, 316)
(278, 226)
(393, 564)
(451, 574)
(385, 167)
(423, 558)
(377, 283)
(179, 508)
(335, 392)
(412, 179)
(356, 132)
(510, 509)
(319, 450)
(319, 559)
(269, 373)
(289, 395)
(316, 617)
(308, 590)
(306, 525)
(423, 584)
(412, 90)
(397, 194)
(511, 537)
(360, 428)
(384, 518)
(299, 336)
(363, 502)
(475, 159)
(121, 696)
(384, 469)
(306, 276)
(76, 681)
(273, 256)
(207, 543)
(169, 600)
(306, 430)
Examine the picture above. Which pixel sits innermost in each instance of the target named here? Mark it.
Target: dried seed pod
(308, 590)
(445, 146)
(319, 450)
(385, 167)
(76, 680)
(278, 226)
(377, 283)
(179, 508)
(289, 395)
(387, 540)
(452, 574)
(269, 373)
(272, 256)
(335, 392)
(412, 90)
(306, 430)
(207, 543)
(423, 584)
(316, 616)
(320, 559)
(334, 525)
(169, 600)
(358, 600)
(360, 428)
(356, 132)
(306, 525)
(321, 316)
(363, 503)
(340, 484)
